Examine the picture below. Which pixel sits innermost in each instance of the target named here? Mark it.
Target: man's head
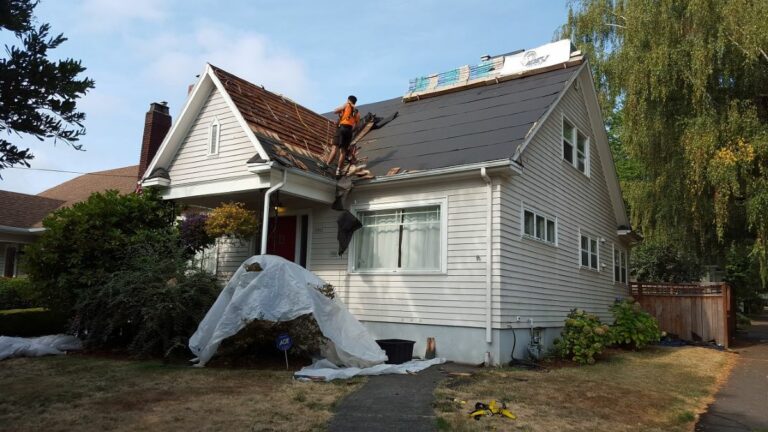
(352, 99)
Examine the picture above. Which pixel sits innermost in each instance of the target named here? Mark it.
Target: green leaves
(86, 242)
(632, 326)
(683, 85)
(37, 96)
(582, 338)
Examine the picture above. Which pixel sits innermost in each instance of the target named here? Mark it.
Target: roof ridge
(264, 89)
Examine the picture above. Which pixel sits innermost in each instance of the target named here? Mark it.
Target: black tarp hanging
(347, 224)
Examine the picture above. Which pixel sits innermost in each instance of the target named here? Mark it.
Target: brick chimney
(156, 125)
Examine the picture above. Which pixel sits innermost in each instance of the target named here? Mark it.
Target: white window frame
(574, 141)
(442, 202)
(547, 218)
(214, 141)
(590, 238)
(623, 265)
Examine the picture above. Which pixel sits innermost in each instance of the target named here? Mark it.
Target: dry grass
(660, 389)
(85, 393)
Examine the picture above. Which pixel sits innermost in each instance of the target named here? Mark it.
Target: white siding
(542, 281)
(230, 254)
(192, 164)
(456, 298)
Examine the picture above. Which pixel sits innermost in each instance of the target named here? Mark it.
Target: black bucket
(398, 350)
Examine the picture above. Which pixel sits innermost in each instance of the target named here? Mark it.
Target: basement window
(400, 240)
(214, 134)
(575, 147)
(589, 252)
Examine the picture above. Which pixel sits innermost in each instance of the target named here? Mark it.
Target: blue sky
(317, 53)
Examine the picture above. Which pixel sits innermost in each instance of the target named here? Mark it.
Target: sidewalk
(742, 403)
(390, 403)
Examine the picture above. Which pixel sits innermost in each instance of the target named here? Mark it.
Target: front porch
(283, 201)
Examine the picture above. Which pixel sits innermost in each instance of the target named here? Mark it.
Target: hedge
(18, 293)
(31, 322)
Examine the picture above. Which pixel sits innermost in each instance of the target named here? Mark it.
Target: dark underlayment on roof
(466, 126)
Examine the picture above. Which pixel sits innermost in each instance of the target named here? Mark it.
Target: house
(493, 207)
(21, 215)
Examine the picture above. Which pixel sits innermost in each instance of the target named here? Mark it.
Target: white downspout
(265, 221)
(488, 259)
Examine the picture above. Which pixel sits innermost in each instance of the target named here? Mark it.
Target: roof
(80, 188)
(20, 210)
(283, 127)
(463, 127)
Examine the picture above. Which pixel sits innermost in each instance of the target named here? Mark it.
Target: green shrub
(31, 322)
(259, 336)
(152, 305)
(18, 293)
(632, 326)
(582, 338)
(85, 243)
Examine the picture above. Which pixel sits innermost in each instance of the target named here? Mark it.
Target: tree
(688, 80)
(37, 96)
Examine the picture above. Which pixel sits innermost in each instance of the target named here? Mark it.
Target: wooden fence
(693, 311)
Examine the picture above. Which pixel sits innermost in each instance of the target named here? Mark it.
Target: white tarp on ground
(323, 369)
(283, 291)
(39, 346)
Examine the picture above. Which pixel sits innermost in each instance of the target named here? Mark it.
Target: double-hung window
(589, 252)
(575, 147)
(539, 226)
(214, 134)
(400, 240)
(619, 265)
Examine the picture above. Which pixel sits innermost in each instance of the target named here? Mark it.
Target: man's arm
(340, 109)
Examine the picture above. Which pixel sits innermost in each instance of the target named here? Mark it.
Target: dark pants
(343, 137)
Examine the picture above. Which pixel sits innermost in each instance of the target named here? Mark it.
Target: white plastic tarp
(39, 346)
(325, 370)
(283, 291)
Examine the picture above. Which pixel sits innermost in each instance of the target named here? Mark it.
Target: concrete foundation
(464, 344)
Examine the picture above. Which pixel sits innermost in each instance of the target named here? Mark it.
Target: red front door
(281, 239)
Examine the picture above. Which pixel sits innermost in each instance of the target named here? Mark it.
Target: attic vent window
(214, 134)
(575, 147)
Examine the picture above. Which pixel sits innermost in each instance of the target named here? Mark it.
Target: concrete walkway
(742, 403)
(390, 403)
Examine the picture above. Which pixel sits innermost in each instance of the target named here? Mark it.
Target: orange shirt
(349, 116)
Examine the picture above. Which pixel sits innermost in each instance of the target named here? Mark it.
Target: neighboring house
(20, 224)
(21, 215)
(495, 205)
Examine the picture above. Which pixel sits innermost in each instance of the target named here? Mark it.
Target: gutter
(513, 166)
(265, 220)
(488, 259)
(15, 230)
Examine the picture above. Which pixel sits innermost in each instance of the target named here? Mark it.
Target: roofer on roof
(348, 118)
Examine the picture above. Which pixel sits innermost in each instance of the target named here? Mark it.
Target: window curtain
(420, 248)
(377, 242)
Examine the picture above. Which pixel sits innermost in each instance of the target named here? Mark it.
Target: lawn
(659, 389)
(78, 392)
